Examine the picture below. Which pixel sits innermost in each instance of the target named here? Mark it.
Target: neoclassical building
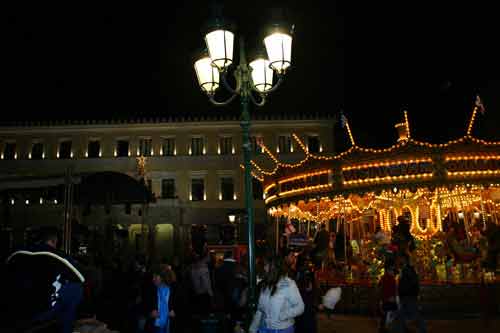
(191, 166)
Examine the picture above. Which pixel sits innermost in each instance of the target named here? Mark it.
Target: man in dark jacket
(43, 285)
(321, 242)
(225, 277)
(409, 288)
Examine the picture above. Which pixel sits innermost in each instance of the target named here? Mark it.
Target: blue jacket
(163, 294)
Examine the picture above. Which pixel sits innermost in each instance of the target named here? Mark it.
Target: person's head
(323, 227)
(160, 277)
(377, 229)
(275, 269)
(49, 237)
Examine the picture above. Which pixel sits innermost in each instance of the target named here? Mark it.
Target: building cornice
(170, 120)
(139, 127)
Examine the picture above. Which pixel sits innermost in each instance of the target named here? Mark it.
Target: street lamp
(254, 82)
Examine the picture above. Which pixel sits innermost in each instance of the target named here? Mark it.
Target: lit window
(168, 188)
(256, 141)
(37, 151)
(145, 147)
(197, 189)
(313, 145)
(197, 146)
(65, 149)
(257, 189)
(9, 152)
(94, 149)
(225, 145)
(226, 188)
(122, 148)
(168, 147)
(284, 144)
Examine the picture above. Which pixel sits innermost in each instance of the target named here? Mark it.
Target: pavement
(361, 324)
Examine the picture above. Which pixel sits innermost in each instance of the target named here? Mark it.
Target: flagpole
(478, 106)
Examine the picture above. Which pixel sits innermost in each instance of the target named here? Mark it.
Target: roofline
(209, 117)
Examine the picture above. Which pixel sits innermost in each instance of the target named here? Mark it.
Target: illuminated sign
(381, 171)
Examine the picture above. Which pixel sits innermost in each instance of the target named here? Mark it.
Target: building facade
(191, 165)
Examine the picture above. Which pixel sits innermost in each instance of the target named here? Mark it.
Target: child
(159, 315)
(388, 293)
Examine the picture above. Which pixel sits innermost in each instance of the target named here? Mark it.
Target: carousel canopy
(423, 180)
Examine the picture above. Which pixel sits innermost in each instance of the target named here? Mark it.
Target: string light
(471, 122)
(407, 124)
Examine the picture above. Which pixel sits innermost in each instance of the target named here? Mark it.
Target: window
(37, 151)
(197, 146)
(197, 189)
(226, 189)
(256, 141)
(313, 144)
(122, 148)
(168, 147)
(225, 145)
(65, 149)
(145, 145)
(94, 149)
(168, 188)
(284, 144)
(257, 189)
(9, 152)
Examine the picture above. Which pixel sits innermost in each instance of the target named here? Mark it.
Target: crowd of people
(182, 296)
(168, 297)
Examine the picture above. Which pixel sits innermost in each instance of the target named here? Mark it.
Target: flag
(479, 104)
(343, 119)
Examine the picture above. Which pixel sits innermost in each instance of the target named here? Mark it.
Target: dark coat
(225, 280)
(33, 278)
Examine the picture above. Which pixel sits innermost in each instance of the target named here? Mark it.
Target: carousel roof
(409, 163)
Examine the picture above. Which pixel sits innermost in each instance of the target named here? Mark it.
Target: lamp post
(254, 82)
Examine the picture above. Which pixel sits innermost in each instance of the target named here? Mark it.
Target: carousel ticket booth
(449, 193)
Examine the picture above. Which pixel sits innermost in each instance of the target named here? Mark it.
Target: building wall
(20, 172)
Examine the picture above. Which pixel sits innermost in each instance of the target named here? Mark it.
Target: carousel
(448, 193)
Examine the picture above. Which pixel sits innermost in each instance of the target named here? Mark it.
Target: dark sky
(370, 60)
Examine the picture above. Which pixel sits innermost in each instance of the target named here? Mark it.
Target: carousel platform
(437, 298)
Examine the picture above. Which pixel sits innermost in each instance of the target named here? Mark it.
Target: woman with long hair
(279, 300)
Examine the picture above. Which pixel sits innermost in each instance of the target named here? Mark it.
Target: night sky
(372, 61)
